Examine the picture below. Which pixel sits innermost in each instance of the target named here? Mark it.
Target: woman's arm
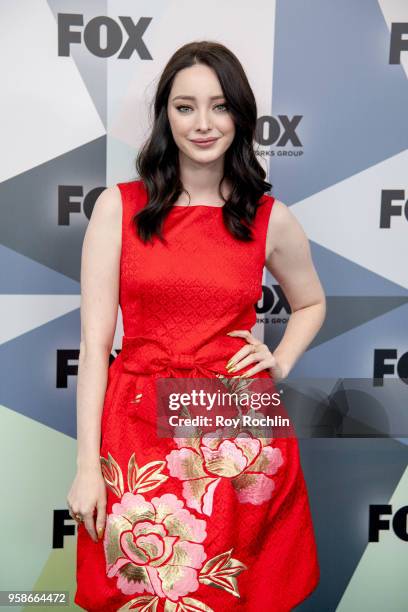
(99, 307)
(288, 258)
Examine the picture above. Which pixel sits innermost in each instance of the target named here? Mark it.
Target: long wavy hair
(157, 162)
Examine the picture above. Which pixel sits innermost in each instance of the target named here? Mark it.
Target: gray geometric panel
(331, 67)
(93, 69)
(54, 200)
(344, 476)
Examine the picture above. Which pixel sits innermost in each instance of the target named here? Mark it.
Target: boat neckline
(198, 206)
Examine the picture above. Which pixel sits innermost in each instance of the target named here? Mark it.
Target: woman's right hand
(87, 495)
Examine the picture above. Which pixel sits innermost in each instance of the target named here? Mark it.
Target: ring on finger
(76, 516)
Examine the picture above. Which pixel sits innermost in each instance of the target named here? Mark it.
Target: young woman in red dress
(200, 522)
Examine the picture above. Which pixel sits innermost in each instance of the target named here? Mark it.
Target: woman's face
(197, 111)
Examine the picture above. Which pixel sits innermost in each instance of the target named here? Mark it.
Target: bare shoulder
(283, 229)
(106, 219)
(281, 216)
(108, 205)
(109, 202)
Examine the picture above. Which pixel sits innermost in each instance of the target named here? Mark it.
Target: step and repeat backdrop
(331, 83)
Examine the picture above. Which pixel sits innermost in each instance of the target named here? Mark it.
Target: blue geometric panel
(30, 277)
(32, 382)
(331, 67)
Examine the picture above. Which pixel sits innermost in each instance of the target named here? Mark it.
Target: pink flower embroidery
(154, 546)
(201, 462)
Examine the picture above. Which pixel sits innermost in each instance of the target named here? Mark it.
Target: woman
(190, 523)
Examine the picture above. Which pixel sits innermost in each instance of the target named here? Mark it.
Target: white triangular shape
(345, 218)
(46, 108)
(22, 313)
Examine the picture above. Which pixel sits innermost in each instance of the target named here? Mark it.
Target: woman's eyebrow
(194, 98)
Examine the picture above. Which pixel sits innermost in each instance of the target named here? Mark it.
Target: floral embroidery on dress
(201, 460)
(201, 463)
(156, 546)
(140, 480)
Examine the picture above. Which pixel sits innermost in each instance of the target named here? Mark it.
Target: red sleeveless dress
(201, 524)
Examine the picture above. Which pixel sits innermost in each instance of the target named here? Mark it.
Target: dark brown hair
(157, 163)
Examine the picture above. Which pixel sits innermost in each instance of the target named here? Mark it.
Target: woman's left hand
(254, 351)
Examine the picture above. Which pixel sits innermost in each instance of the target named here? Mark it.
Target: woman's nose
(203, 121)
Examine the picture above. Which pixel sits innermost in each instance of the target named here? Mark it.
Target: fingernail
(229, 363)
(231, 369)
(100, 532)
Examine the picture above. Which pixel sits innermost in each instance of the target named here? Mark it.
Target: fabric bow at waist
(140, 355)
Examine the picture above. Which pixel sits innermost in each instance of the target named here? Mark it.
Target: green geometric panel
(380, 581)
(38, 466)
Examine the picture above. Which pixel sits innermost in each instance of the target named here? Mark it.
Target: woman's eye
(223, 107)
